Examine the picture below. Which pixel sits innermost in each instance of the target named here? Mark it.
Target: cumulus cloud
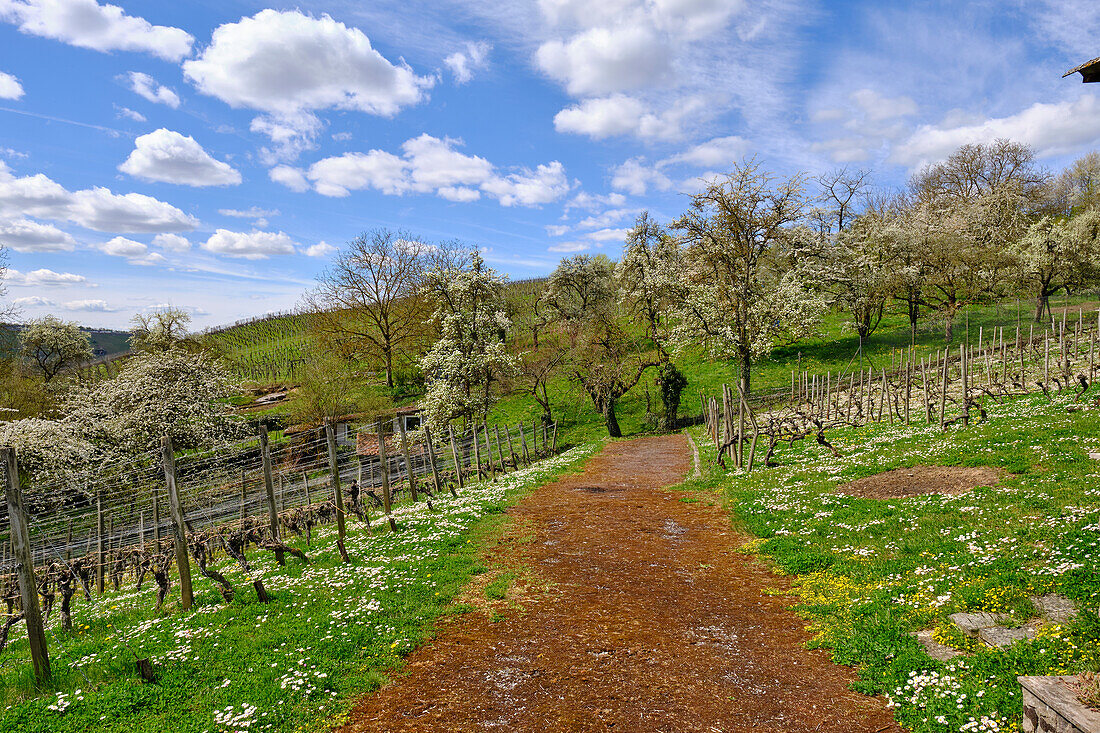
(93, 208)
(87, 24)
(90, 306)
(635, 177)
(43, 278)
(606, 218)
(463, 64)
(24, 235)
(289, 64)
(603, 60)
(321, 249)
(289, 176)
(429, 164)
(254, 212)
(620, 114)
(171, 157)
(34, 301)
(569, 247)
(254, 245)
(172, 242)
(608, 235)
(10, 88)
(593, 202)
(146, 86)
(123, 247)
(716, 152)
(1051, 129)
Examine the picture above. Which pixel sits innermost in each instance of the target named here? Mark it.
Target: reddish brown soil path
(648, 620)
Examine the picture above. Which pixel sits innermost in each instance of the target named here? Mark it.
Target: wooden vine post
(337, 492)
(100, 556)
(432, 461)
(523, 445)
(386, 501)
(408, 458)
(269, 490)
(24, 569)
(455, 457)
(183, 563)
(477, 449)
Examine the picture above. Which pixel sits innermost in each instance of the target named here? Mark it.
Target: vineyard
(272, 349)
(130, 556)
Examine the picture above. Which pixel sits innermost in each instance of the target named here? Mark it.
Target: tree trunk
(1042, 305)
(745, 360)
(610, 420)
(914, 314)
(389, 368)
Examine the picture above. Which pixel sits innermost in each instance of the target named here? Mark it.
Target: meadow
(332, 632)
(866, 573)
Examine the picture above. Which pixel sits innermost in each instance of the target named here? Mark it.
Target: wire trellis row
(157, 516)
(947, 388)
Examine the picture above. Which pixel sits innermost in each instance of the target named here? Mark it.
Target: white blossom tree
(52, 345)
(741, 293)
(176, 392)
(159, 330)
(472, 356)
(53, 456)
(1058, 254)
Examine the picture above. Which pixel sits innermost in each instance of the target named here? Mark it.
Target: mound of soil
(920, 480)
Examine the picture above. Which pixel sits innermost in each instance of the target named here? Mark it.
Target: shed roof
(1090, 71)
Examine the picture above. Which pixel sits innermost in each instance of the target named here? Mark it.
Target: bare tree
(367, 304)
(159, 330)
(841, 191)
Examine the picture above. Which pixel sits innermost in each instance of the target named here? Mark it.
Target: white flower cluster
(231, 721)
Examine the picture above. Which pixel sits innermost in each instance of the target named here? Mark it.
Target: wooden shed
(1090, 71)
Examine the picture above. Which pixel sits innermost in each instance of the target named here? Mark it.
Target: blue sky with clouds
(211, 155)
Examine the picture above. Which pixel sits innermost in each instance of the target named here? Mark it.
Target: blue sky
(212, 155)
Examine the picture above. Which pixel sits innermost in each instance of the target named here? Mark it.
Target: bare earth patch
(640, 614)
(920, 480)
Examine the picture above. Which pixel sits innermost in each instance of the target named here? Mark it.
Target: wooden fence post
(455, 457)
(408, 459)
(24, 569)
(488, 451)
(337, 492)
(100, 557)
(964, 376)
(523, 445)
(511, 447)
(500, 449)
(269, 490)
(477, 448)
(431, 461)
(183, 563)
(386, 501)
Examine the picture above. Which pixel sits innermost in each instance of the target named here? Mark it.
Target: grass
(868, 572)
(332, 633)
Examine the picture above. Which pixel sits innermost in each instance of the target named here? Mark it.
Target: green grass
(332, 633)
(869, 572)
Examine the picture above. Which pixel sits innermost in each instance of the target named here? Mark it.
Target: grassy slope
(869, 572)
(296, 664)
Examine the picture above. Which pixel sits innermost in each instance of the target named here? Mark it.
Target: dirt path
(652, 621)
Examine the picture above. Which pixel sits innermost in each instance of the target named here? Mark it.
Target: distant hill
(104, 340)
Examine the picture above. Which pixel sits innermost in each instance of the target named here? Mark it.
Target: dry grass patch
(921, 480)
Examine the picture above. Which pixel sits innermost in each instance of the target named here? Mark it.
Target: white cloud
(254, 212)
(24, 235)
(877, 107)
(289, 176)
(321, 249)
(569, 247)
(606, 218)
(90, 306)
(130, 114)
(557, 230)
(94, 208)
(620, 114)
(463, 64)
(635, 177)
(123, 247)
(545, 184)
(289, 64)
(603, 60)
(608, 235)
(10, 88)
(338, 176)
(432, 165)
(1051, 129)
(146, 86)
(170, 157)
(34, 301)
(254, 245)
(44, 278)
(716, 152)
(593, 202)
(291, 134)
(172, 242)
(87, 24)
